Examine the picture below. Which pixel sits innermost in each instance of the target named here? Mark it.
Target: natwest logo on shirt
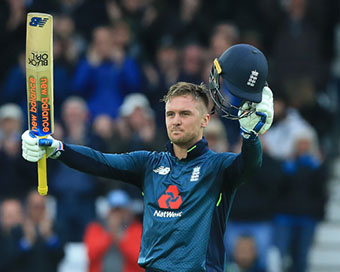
(171, 199)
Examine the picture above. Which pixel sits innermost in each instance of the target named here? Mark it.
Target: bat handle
(42, 176)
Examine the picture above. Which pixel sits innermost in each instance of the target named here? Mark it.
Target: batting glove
(34, 148)
(261, 120)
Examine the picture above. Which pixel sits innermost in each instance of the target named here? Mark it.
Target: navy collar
(194, 151)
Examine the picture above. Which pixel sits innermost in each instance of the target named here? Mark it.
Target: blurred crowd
(113, 62)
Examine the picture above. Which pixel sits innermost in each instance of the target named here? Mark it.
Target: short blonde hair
(186, 88)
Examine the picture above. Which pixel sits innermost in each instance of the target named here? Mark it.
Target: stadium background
(114, 60)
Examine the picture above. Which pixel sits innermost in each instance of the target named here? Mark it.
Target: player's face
(185, 120)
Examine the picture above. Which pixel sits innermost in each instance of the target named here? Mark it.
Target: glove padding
(261, 120)
(33, 148)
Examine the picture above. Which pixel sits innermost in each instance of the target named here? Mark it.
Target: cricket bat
(39, 82)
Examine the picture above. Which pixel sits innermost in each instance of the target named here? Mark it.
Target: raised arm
(128, 167)
(250, 159)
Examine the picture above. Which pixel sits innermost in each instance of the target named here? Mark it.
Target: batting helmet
(244, 71)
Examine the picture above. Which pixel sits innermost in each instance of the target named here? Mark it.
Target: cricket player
(183, 225)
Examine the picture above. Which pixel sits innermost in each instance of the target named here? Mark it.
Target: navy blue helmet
(244, 71)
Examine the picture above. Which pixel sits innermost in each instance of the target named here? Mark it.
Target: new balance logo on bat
(252, 79)
(38, 21)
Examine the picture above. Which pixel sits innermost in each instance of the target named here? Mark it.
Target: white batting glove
(261, 120)
(33, 148)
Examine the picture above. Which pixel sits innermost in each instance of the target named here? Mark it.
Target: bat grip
(42, 176)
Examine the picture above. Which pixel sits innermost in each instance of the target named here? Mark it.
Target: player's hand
(261, 120)
(33, 148)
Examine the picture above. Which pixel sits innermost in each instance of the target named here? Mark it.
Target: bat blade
(39, 80)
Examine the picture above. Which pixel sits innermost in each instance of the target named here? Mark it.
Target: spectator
(16, 176)
(186, 22)
(300, 204)
(302, 94)
(191, 66)
(106, 128)
(13, 33)
(151, 27)
(11, 218)
(253, 37)
(287, 126)
(75, 118)
(161, 76)
(41, 240)
(143, 21)
(29, 242)
(106, 75)
(11, 120)
(243, 12)
(73, 44)
(114, 244)
(253, 210)
(216, 135)
(137, 125)
(297, 46)
(76, 199)
(167, 65)
(245, 255)
(68, 46)
(87, 15)
(15, 82)
(224, 36)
